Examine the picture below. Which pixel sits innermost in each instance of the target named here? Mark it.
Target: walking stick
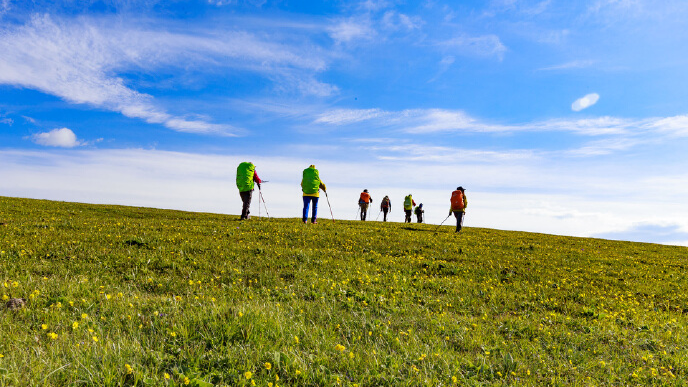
(260, 193)
(328, 204)
(445, 219)
(378, 215)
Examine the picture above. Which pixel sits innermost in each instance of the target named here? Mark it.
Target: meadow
(124, 296)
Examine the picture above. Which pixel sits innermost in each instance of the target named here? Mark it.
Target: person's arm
(414, 202)
(465, 202)
(256, 178)
(322, 186)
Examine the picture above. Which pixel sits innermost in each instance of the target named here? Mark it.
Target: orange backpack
(365, 197)
(457, 202)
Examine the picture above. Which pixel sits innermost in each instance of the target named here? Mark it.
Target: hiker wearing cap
(311, 186)
(458, 206)
(409, 203)
(385, 207)
(246, 176)
(419, 213)
(363, 201)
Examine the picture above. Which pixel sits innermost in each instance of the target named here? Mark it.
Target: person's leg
(306, 204)
(384, 214)
(459, 220)
(314, 219)
(364, 211)
(246, 200)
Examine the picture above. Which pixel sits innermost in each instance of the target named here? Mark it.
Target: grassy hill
(135, 296)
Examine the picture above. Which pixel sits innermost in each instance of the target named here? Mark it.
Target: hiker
(408, 207)
(363, 202)
(246, 176)
(385, 206)
(311, 186)
(419, 213)
(458, 206)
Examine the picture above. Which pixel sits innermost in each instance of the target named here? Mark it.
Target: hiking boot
(315, 222)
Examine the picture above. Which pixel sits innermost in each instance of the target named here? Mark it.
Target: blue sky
(557, 116)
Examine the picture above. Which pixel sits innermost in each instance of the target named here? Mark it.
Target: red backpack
(457, 202)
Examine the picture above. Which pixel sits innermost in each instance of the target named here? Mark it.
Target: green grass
(206, 299)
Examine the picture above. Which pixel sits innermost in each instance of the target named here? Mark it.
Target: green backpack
(311, 181)
(408, 203)
(244, 176)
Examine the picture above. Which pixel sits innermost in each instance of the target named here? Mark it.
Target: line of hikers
(247, 177)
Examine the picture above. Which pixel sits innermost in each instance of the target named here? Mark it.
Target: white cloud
(576, 64)
(585, 102)
(4, 7)
(348, 116)
(351, 30)
(63, 138)
(676, 126)
(374, 5)
(220, 3)
(486, 45)
(393, 20)
(77, 60)
(446, 155)
(7, 121)
(29, 119)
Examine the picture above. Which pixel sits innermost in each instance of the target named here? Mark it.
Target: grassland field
(124, 296)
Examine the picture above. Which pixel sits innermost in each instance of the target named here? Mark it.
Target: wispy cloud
(349, 116)
(576, 64)
(393, 20)
(484, 46)
(78, 60)
(443, 154)
(676, 126)
(63, 138)
(585, 102)
(421, 121)
(6, 121)
(351, 30)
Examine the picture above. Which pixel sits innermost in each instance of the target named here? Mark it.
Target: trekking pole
(378, 215)
(445, 219)
(328, 204)
(260, 193)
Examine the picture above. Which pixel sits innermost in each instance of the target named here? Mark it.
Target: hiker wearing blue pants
(311, 186)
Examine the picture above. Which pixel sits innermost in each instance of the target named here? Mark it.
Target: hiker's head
(365, 190)
(312, 166)
(421, 205)
(459, 188)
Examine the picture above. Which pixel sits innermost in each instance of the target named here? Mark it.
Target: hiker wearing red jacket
(458, 206)
(363, 202)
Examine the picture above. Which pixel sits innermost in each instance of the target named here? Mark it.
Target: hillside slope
(135, 296)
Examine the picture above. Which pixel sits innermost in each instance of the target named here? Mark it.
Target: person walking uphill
(419, 213)
(458, 206)
(408, 207)
(311, 186)
(246, 176)
(385, 207)
(363, 202)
